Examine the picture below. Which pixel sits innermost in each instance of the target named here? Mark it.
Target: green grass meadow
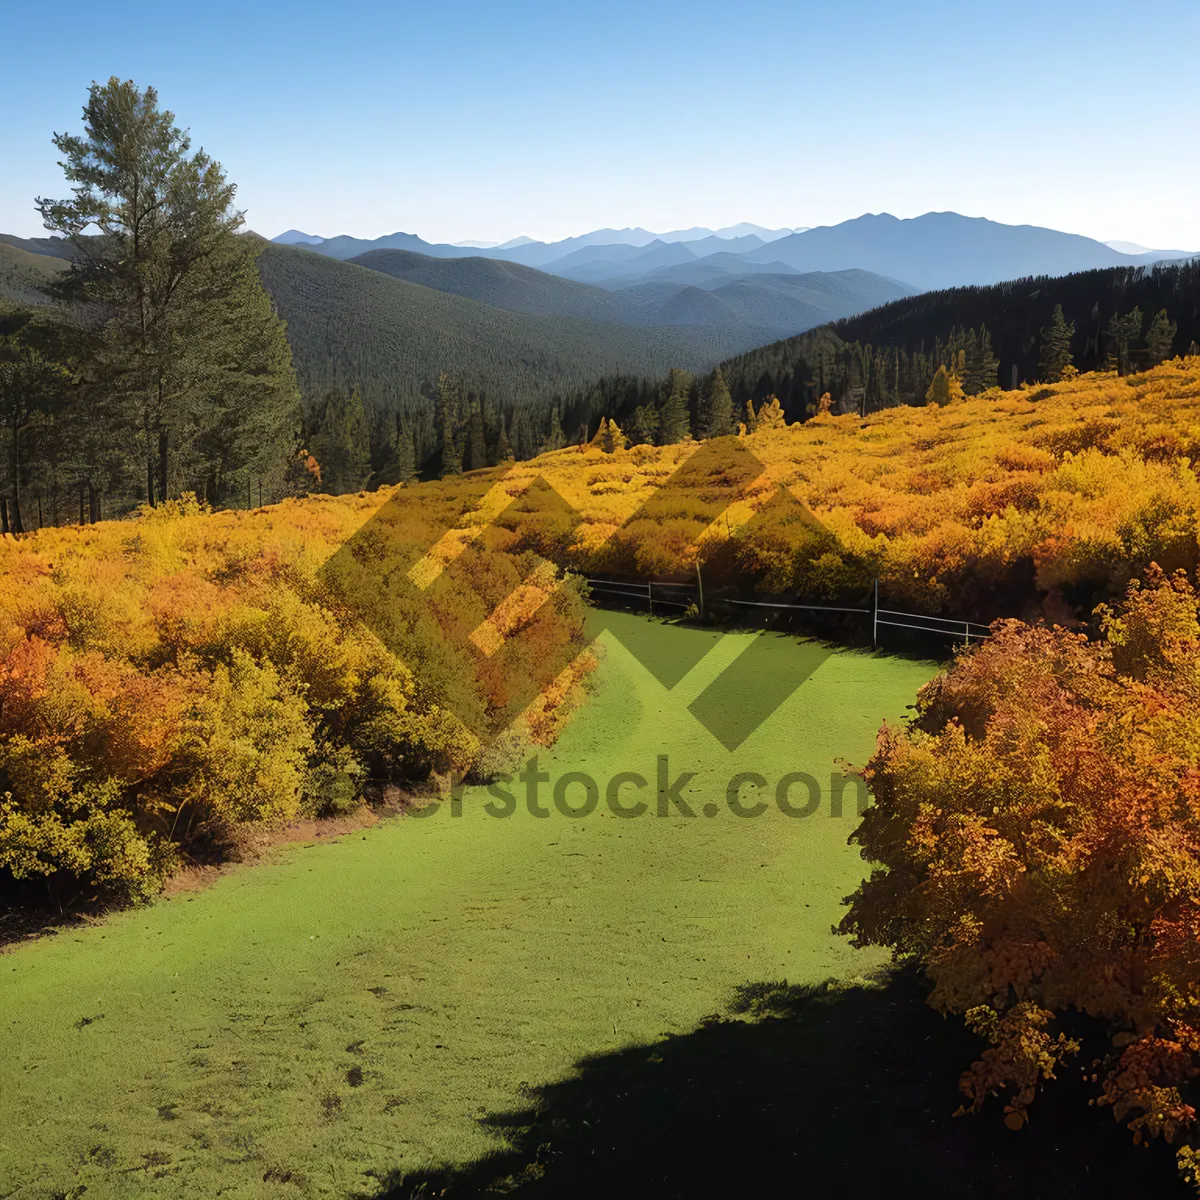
(306, 1026)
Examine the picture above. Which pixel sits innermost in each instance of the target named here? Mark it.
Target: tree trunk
(16, 479)
(3, 516)
(41, 521)
(93, 504)
(162, 464)
(82, 510)
(149, 483)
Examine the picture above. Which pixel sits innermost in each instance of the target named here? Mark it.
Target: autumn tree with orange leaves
(1036, 847)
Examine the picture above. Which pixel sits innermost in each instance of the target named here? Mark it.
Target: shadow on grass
(820, 1092)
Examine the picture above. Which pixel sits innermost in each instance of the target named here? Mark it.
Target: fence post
(875, 617)
(700, 588)
(650, 595)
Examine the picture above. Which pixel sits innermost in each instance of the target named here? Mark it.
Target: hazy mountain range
(628, 236)
(389, 321)
(734, 307)
(535, 319)
(933, 251)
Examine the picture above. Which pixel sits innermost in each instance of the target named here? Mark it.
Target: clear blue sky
(460, 120)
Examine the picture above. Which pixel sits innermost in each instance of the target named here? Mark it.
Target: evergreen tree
(1122, 334)
(525, 444)
(405, 454)
(184, 335)
(504, 450)
(1056, 346)
(476, 448)
(609, 437)
(674, 424)
(979, 362)
(555, 438)
(642, 426)
(718, 417)
(1160, 338)
(450, 425)
(32, 389)
(340, 443)
(989, 361)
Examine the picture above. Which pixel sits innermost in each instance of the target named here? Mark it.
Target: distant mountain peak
(747, 229)
(295, 237)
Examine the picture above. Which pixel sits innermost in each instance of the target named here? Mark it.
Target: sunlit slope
(983, 508)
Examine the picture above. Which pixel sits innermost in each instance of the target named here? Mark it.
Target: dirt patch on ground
(19, 924)
(262, 843)
(259, 844)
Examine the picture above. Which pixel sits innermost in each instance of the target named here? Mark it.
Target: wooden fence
(672, 594)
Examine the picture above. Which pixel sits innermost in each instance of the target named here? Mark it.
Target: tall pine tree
(718, 416)
(1123, 333)
(504, 451)
(341, 444)
(1160, 338)
(450, 425)
(674, 422)
(1055, 354)
(404, 457)
(476, 444)
(183, 333)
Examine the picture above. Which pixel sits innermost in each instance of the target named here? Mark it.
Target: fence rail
(651, 590)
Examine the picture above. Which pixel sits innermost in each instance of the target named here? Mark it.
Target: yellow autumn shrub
(170, 681)
(980, 507)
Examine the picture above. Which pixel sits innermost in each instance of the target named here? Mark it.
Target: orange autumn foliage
(1035, 842)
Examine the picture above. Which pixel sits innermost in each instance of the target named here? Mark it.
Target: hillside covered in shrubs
(172, 680)
(989, 506)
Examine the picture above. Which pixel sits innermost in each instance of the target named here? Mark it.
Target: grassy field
(308, 1026)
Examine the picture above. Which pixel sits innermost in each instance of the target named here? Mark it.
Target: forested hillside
(732, 306)
(25, 275)
(503, 285)
(1016, 313)
(1122, 319)
(378, 344)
